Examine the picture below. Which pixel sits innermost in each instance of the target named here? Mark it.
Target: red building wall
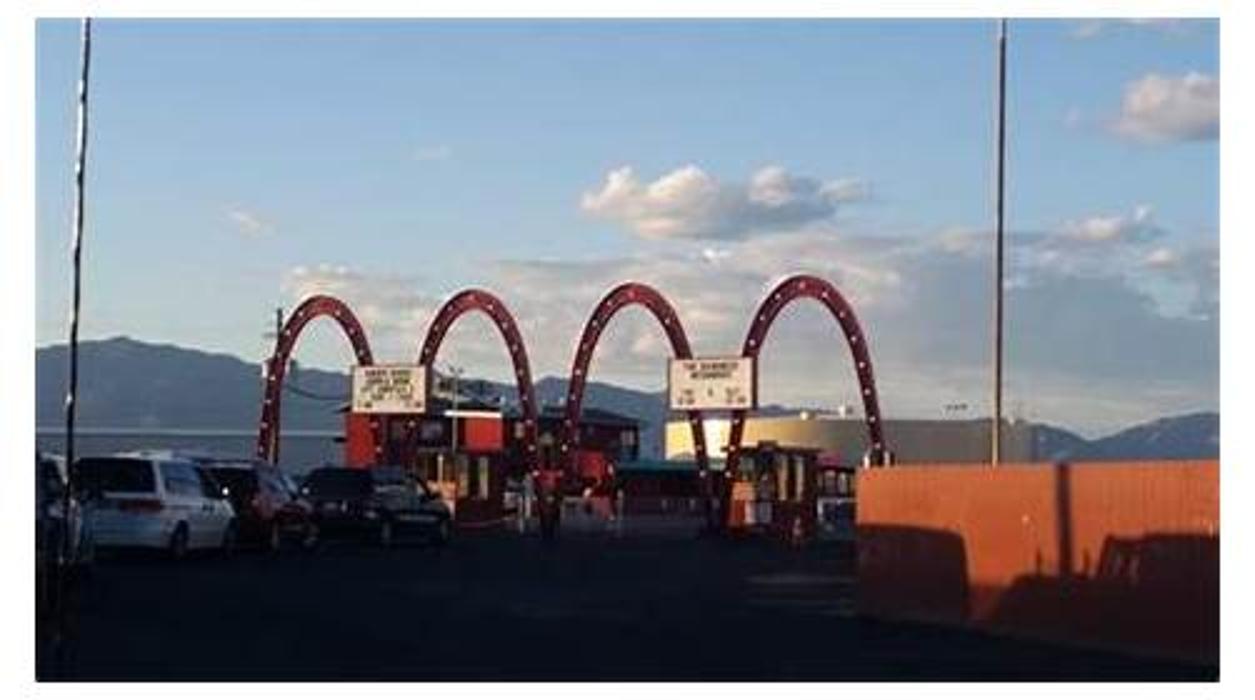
(482, 434)
(359, 442)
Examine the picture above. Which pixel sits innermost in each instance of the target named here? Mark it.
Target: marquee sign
(390, 388)
(712, 383)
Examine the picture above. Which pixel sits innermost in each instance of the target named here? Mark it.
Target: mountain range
(126, 383)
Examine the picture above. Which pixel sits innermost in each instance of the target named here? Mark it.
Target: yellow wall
(910, 440)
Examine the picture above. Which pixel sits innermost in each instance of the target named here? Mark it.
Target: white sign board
(390, 389)
(711, 383)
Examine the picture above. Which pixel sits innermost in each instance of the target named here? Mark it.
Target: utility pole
(80, 168)
(996, 428)
(59, 576)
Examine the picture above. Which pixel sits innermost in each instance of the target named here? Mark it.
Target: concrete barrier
(1119, 556)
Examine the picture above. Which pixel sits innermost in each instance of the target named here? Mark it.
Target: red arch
(481, 300)
(276, 366)
(807, 286)
(626, 294)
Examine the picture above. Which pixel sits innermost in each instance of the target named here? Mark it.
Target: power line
(307, 394)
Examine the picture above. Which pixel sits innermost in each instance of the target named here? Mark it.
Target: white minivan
(155, 502)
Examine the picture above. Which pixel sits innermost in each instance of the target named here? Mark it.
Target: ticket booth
(466, 464)
(835, 498)
(459, 454)
(471, 482)
(774, 491)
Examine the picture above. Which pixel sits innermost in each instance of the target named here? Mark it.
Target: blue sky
(238, 165)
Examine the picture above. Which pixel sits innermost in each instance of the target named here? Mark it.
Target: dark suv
(269, 510)
(380, 504)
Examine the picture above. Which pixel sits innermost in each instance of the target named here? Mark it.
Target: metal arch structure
(481, 300)
(784, 293)
(276, 367)
(624, 295)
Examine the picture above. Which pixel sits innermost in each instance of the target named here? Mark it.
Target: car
(269, 510)
(58, 512)
(155, 502)
(378, 504)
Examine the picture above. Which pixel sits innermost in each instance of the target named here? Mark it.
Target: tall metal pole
(60, 575)
(996, 432)
(80, 166)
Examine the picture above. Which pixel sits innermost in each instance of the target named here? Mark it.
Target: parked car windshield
(116, 474)
(240, 482)
(338, 482)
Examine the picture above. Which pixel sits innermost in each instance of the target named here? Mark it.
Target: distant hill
(1054, 444)
(125, 383)
(1179, 437)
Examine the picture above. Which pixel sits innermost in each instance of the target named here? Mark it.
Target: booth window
(463, 475)
(782, 477)
(482, 464)
(830, 483)
(845, 484)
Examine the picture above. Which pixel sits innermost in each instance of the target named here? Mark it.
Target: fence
(1114, 555)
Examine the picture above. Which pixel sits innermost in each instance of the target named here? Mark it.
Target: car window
(270, 484)
(180, 479)
(239, 482)
(289, 484)
(99, 474)
(338, 483)
(388, 476)
(209, 487)
(420, 487)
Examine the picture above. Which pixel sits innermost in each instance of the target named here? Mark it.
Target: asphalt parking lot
(493, 606)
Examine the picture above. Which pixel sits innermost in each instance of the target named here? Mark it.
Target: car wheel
(178, 543)
(274, 538)
(385, 534)
(228, 540)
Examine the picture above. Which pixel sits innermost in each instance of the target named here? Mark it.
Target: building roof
(591, 415)
(588, 415)
(656, 465)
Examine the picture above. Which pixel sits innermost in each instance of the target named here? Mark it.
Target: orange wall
(484, 434)
(359, 440)
(1116, 555)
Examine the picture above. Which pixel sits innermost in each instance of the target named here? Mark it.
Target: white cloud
(1091, 28)
(688, 203)
(391, 308)
(1100, 245)
(1196, 269)
(1115, 229)
(1158, 108)
(1162, 258)
(249, 223)
(1085, 345)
